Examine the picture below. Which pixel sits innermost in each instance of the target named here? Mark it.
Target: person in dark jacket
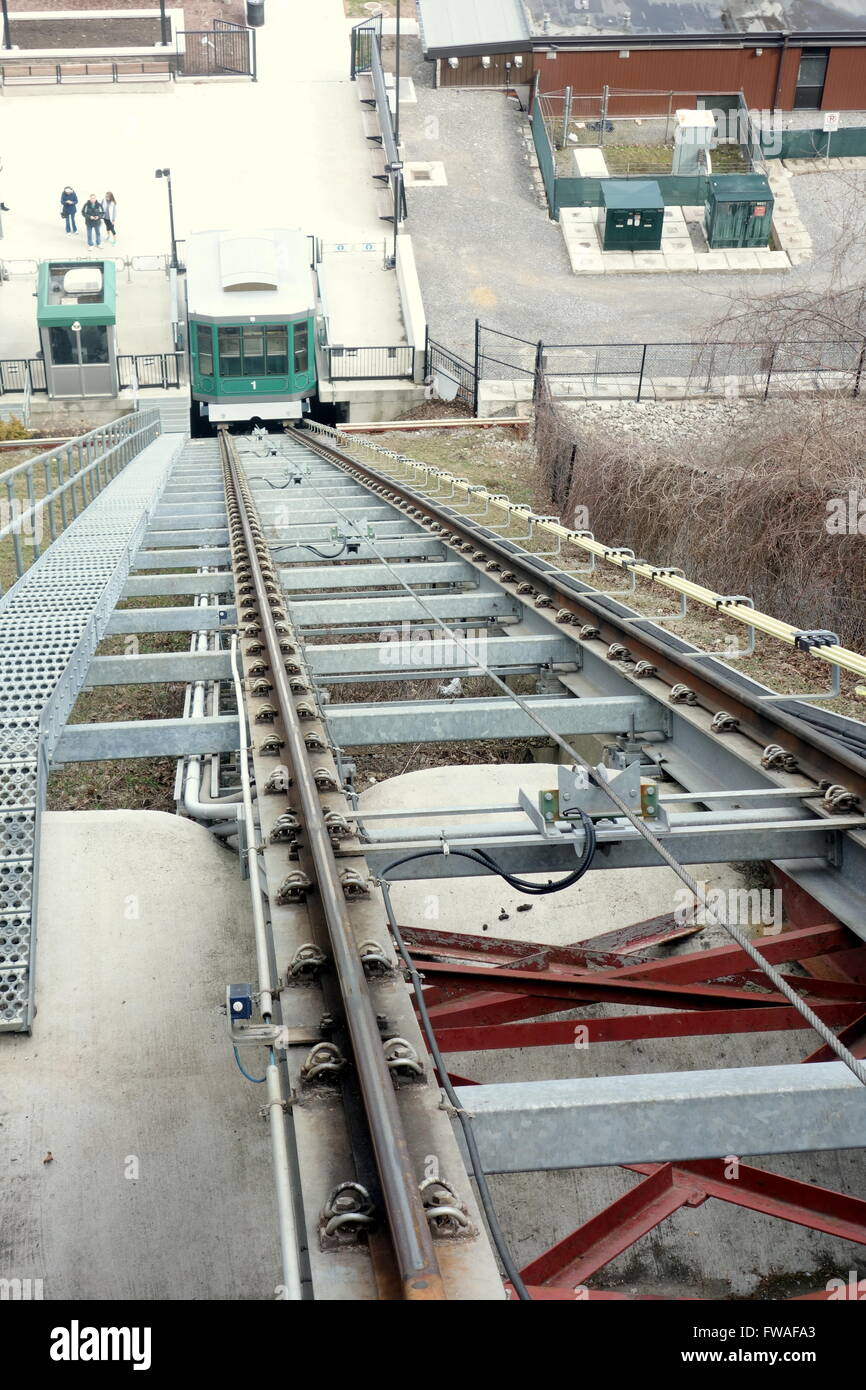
(93, 212)
(68, 204)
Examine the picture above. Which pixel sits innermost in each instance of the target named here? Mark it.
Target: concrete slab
(617, 261)
(741, 258)
(159, 1182)
(773, 260)
(650, 262)
(712, 261)
(681, 261)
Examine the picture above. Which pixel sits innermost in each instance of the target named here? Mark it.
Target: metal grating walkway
(50, 624)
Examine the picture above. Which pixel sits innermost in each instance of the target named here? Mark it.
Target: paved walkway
(287, 150)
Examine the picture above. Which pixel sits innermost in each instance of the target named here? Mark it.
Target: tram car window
(251, 306)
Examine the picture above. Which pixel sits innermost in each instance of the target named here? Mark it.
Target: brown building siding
(470, 73)
(845, 88)
(681, 71)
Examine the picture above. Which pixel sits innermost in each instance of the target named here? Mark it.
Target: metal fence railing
(367, 62)
(371, 363)
(22, 374)
(144, 369)
(225, 50)
(452, 373)
(639, 371)
(40, 497)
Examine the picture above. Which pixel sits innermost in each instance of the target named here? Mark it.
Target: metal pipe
(409, 1229)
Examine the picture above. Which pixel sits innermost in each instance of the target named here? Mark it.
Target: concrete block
(650, 262)
(742, 258)
(680, 261)
(712, 260)
(617, 261)
(773, 260)
(587, 265)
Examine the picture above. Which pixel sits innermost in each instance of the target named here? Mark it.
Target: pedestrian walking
(109, 204)
(68, 204)
(94, 214)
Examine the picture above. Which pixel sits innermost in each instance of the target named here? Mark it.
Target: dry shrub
(751, 510)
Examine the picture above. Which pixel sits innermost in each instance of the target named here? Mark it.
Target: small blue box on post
(240, 1001)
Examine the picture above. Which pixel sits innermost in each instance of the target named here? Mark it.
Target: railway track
(340, 610)
(329, 556)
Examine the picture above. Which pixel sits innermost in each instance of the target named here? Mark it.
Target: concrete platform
(135, 1163)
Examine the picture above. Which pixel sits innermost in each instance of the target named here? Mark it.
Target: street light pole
(166, 174)
(163, 24)
(7, 38)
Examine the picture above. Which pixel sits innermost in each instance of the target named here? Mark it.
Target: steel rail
(758, 719)
(409, 1231)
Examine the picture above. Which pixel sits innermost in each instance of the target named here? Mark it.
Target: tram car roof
(261, 275)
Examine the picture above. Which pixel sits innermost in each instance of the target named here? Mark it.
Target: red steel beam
(694, 1024)
(598, 988)
(598, 1241)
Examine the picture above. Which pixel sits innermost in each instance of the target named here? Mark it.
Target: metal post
(475, 393)
(860, 364)
(642, 365)
(566, 118)
(7, 37)
(163, 25)
(171, 222)
(605, 98)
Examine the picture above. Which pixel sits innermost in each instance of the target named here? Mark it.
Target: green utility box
(739, 211)
(634, 214)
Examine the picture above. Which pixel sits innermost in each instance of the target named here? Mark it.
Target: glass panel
(302, 355)
(204, 347)
(254, 352)
(278, 351)
(813, 67)
(230, 351)
(62, 341)
(94, 344)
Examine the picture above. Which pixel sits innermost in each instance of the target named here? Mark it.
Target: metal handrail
(90, 462)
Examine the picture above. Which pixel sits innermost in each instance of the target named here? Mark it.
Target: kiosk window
(62, 342)
(94, 345)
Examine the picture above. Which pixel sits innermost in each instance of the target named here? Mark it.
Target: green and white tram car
(251, 309)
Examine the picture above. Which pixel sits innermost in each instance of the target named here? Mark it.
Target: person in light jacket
(93, 212)
(68, 204)
(109, 204)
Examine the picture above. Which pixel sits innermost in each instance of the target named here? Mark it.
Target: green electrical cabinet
(634, 214)
(739, 211)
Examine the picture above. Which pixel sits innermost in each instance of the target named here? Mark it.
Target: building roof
(446, 25)
(618, 18)
(452, 26)
(255, 275)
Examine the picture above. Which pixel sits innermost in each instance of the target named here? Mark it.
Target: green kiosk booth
(634, 214)
(76, 313)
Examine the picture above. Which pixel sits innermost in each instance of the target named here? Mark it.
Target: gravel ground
(486, 247)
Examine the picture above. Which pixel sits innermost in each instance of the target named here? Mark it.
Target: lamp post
(166, 174)
(163, 25)
(7, 39)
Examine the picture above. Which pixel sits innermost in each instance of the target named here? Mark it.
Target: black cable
(522, 885)
(300, 545)
(496, 1233)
